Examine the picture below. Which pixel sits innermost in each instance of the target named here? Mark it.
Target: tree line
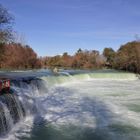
(14, 55)
(127, 57)
(18, 56)
(82, 59)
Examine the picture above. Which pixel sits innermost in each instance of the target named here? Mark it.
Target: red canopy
(4, 84)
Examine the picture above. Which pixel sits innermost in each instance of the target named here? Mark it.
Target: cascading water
(11, 111)
(71, 105)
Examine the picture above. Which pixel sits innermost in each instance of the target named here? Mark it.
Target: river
(71, 105)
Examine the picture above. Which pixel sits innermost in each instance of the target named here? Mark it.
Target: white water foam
(87, 103)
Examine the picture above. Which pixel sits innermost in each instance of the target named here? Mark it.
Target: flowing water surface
(71, 105)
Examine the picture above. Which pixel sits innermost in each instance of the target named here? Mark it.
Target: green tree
(109, 53)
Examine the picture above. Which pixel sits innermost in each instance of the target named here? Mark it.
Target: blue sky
(52, 27)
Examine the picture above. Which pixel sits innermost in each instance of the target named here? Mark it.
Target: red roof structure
(4, 85)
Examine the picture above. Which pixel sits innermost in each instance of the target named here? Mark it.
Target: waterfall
(11, 111)
(42, 97)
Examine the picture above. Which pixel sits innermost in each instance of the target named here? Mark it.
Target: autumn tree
(18, 56)
(128, 57)
(5, 30)
(54, 61)
(79, 59)
(66, 60)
